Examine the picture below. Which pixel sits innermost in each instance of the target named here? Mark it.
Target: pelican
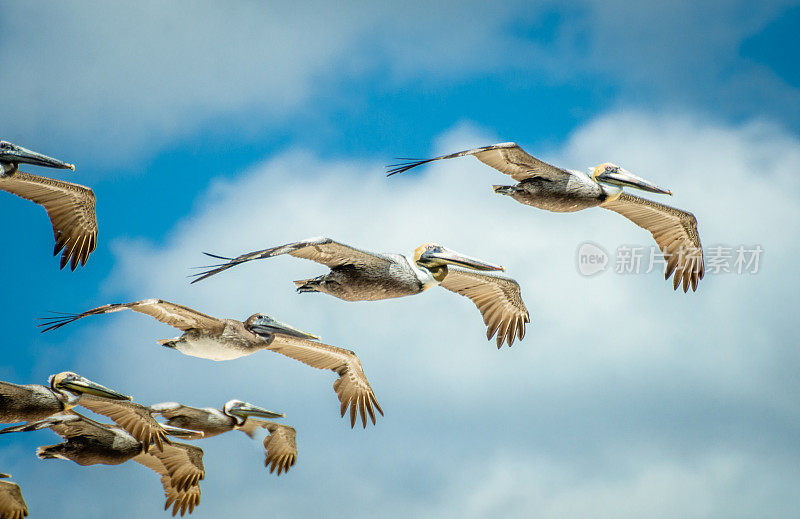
(69, 206)
(12, 505)
(90, 443)
(33, 402)
(358, 275)
(555, 189)
(223, 339)
(280, 446)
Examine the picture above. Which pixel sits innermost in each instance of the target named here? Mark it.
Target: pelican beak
(184, 434)
(622, 178)
(443, 256)
(86, 386)
(246, 410)
(20, 155)
(273, 326)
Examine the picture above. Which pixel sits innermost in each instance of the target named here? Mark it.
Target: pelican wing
(134, 418)
(506, 157)
(280, 446)
(322, 250)
(498, 298)
(175, 315)
(70, 208)
(182, 463)
(181, 500)
(181, 469)
(352, 386)
(675, 232)
(12, 504)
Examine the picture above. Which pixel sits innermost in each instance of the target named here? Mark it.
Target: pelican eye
(5, 145)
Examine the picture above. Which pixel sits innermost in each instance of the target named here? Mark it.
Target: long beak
(259, 412)
(447, 256)
(84, 385)
(22, 155)
(623, 178)
(185, 434)
(265, 330)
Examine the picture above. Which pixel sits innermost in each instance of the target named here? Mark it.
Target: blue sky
(229, 130)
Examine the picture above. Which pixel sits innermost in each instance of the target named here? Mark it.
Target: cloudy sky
(203, 128)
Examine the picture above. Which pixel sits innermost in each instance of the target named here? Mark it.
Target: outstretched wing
(505, 157)
(12, 504)
(181, 469)
(322, 250)
(352, 386)
(181, 500)
(498, 298)
(280, 447)
(175, 315)
(70, 208)
(134, 418)
(182, 462)
(675, 232)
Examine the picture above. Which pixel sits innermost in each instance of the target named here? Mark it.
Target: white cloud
(624, 398)
(117, 82)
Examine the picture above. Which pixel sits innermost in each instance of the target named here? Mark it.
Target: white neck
(423, 275)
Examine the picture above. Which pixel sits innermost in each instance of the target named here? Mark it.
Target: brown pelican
(89, 443)
(555, 189)
(222, 339)
(358, 275)
(280, 447)
(12, 505)
(33, 402)
(69, 206)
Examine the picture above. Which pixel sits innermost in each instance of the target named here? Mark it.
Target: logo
(592, 259)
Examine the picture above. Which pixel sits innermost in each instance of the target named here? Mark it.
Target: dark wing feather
(280, 447)
(352, 386)
(675, 232)
(175, 315)
(498, 298)
(321, 250)
(506, 157)
(70, 208)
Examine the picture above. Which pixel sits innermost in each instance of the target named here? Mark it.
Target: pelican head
(265, 326)
(612, 174)
(12, 155)
(435, 256)
(240, 411)
(78, 385)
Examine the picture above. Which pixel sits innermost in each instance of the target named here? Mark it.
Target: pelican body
(551, 188)
(358, 275)
(28, 402)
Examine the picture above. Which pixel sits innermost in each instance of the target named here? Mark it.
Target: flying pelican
(280, 446)
(31, 402)
(89, 443)
(223, 339)
(69, 206)
(12, 505)
(555, 189)
(358, 275)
